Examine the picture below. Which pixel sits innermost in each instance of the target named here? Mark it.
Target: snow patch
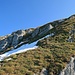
(7, 54)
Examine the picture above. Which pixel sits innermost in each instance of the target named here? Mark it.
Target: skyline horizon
(25, 14)
(39, 25)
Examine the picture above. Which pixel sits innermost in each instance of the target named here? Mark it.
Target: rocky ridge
(20, 37)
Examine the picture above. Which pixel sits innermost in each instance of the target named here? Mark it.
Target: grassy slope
(53, 54)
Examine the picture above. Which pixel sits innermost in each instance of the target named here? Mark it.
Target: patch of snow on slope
(23, 48)
(7, 54)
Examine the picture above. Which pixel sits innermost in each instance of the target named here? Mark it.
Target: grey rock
(70, 68)
(45, 29)
(11, 40)
(35, 32)
(44, 72)
(20, 37)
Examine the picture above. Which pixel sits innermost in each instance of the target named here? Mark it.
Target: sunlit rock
(70, 68)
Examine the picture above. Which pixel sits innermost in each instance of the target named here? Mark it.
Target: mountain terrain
(54, 55)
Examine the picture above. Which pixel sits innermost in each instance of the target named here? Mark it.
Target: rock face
(20, 37)
(70, 68)
(11, 41)
(44, 72)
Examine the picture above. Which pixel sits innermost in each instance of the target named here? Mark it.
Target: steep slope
(52, 55)
(21, 37)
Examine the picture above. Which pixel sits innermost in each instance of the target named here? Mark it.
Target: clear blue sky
(24, 14)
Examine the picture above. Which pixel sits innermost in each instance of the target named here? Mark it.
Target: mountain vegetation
(53, 52)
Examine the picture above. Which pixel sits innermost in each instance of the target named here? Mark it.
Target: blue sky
(24, 14)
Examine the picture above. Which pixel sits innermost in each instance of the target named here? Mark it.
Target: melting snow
(23, 48)
(7, 54)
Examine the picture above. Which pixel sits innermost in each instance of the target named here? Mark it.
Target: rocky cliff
(20, 37)
(70, 68)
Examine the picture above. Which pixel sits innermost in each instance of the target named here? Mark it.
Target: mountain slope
(53, 53)
(21, 37)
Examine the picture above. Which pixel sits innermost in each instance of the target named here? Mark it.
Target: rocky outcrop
(70, 68)
(20, 37)
(9, 42)
(44, 71)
